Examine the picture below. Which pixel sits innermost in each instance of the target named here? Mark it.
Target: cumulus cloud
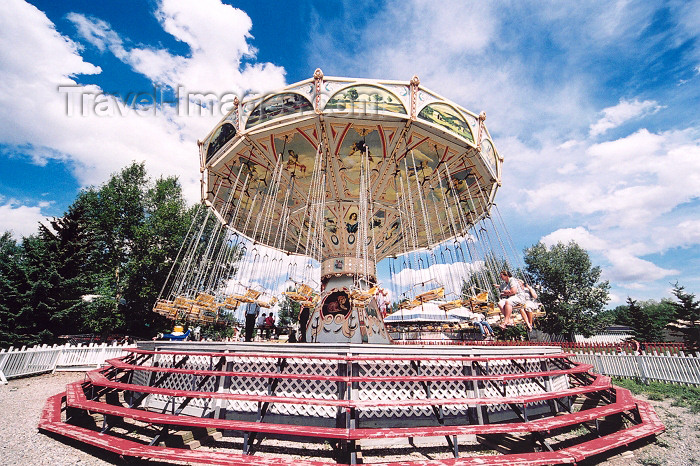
(580, 235)
(626, 267)
(623, 262)
(630, 182)
(35, 119)
(214, 64)
(623, 112)
(20, 220)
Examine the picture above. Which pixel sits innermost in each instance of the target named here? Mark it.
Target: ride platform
(350, 404)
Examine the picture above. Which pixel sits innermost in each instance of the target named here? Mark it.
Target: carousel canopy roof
(429, 162)
(426, 312)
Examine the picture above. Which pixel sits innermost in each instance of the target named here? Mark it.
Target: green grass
(687, 397)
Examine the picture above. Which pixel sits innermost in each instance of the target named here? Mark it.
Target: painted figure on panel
(336, 303)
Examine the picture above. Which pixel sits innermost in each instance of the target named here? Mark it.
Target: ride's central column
(348, 310)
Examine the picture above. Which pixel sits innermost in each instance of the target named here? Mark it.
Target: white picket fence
(40, 359)
(680, 368)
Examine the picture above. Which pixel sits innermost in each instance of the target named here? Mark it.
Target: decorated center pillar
(350, 308)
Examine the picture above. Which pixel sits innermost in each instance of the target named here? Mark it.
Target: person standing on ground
(303, 320)
(260, 324)
(269, 325)
(251, 313)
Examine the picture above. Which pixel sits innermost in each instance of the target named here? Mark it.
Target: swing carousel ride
(307, 194)
(315, 185)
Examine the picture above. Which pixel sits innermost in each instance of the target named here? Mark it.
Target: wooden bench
(75, 397)
(99, 394)
(97, 378)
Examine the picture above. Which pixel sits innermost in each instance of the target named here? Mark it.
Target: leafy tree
(157, 238)
(569, 288)
(100, 267)
(289, 311)
(688, 309)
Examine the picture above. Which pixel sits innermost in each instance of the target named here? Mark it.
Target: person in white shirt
(511, 294)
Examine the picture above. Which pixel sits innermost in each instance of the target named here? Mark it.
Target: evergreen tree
(688, 309)
(649, 318)
(39, 302)
(12, 283)
(71, 247)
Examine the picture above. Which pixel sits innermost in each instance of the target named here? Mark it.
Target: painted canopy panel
(427, 180)
(366, 99)
(447, 117)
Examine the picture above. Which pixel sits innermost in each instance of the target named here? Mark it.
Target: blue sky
(593, 105)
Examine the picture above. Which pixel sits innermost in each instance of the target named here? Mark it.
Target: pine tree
(12, 281)
(688, 309)
(649, 318)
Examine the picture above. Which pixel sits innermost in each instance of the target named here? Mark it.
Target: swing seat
(409, 304)
(250, 296)
(302, 294)
(479, 300)
(231, 303)
(205, 298)
(199, 309)
(310, 302)
(363, 296)
(165, 308)
(431, 294)
(208, 316)
(267, 304)
(536, 308)
(183, 303)
(489, 309)
(450, 305)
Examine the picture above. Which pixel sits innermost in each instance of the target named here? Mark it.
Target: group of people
(515, 292)
(253, 318)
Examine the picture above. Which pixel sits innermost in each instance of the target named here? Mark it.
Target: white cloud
(19, 219)
(579, 234)
(626, 267)
(623, 112)
(214, 64)
(34, 118)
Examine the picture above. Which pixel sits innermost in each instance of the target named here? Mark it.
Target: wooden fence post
(642, 368)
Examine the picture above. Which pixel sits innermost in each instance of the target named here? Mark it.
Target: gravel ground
(21, 402)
